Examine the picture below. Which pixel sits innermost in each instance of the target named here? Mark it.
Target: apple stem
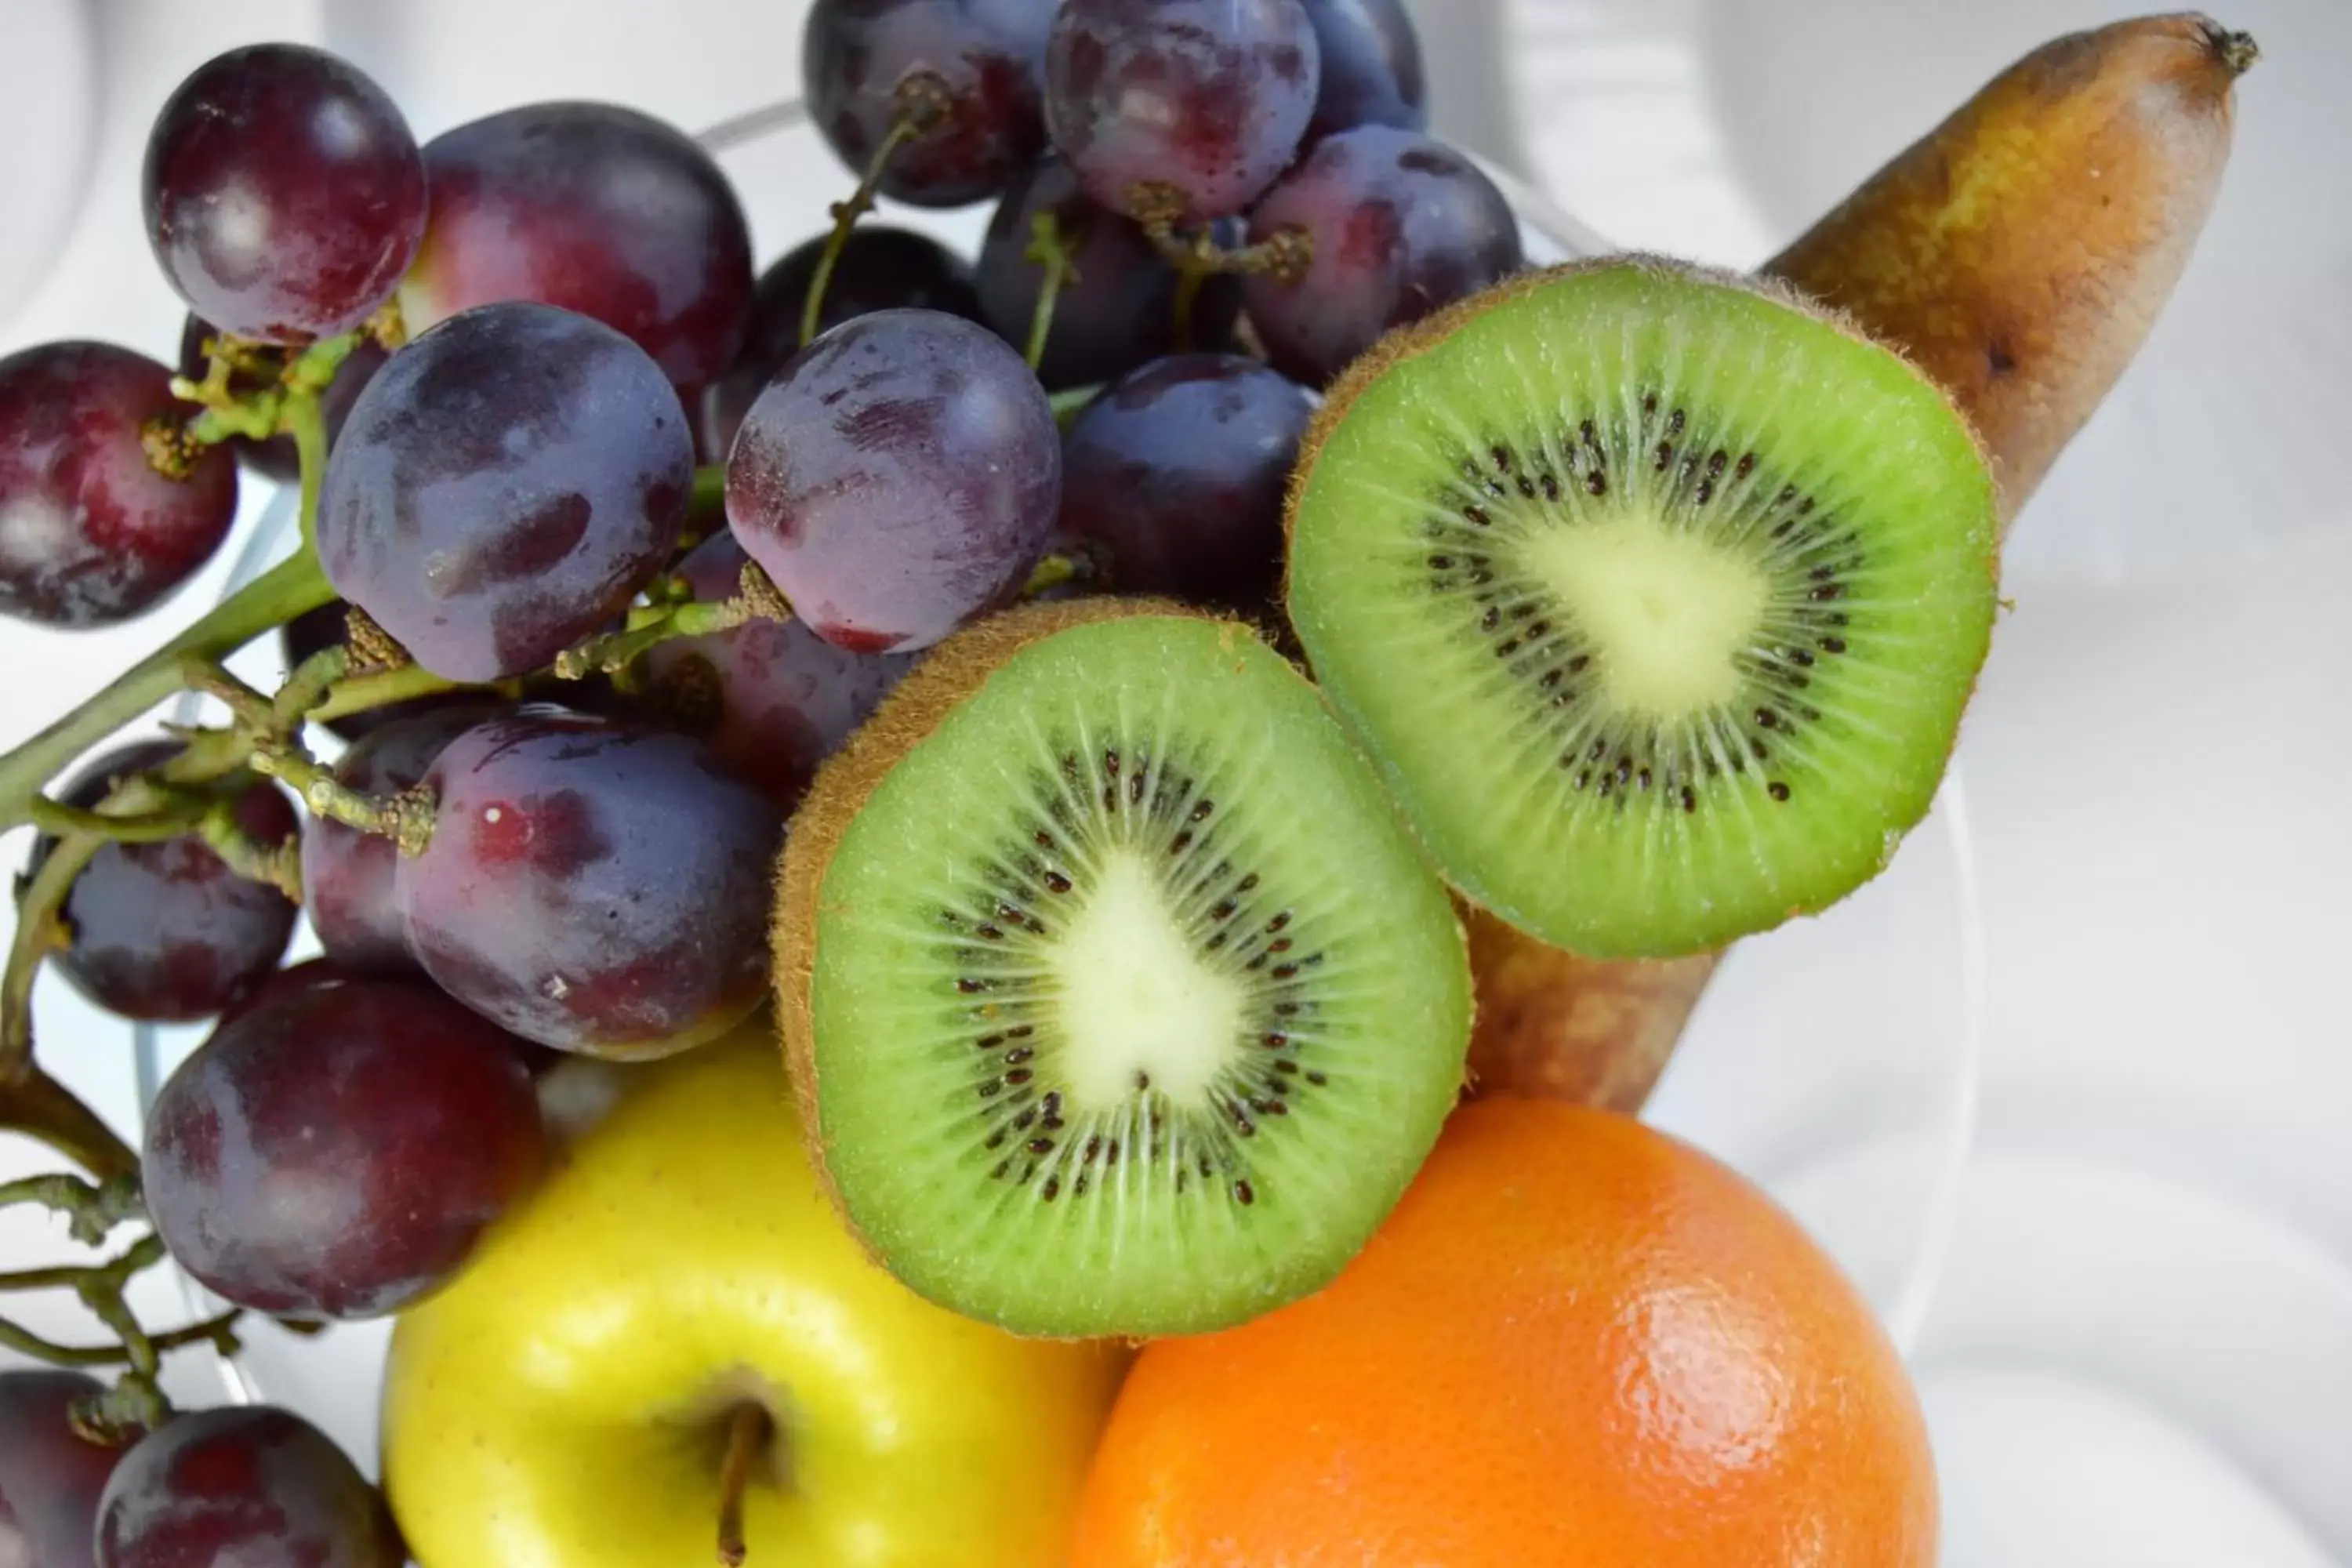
(746, 1430)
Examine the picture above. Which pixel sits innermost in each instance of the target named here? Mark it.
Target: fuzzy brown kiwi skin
(950, 675)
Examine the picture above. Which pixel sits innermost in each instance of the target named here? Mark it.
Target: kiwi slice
(1656, 594)
(1119, 1000)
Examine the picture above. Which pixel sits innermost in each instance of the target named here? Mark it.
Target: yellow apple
(568, 1401)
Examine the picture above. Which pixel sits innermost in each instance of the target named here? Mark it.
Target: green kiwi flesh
(1656, 595)
(1131, 1005)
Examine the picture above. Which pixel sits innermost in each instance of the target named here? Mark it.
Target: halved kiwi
(1656, 593)
(1121, 1000)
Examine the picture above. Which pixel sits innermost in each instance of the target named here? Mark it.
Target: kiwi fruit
(1656, 594)
(1119, 1000)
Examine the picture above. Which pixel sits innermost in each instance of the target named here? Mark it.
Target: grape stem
(277, 866)
(747, 1429)
(1048, 250)
(278, 596)
(91, 1209)
(755, 598)
(217, 1331)
(405, 818)
(710, 490)
(1284, 255)
(923, 100)
(1068, 406)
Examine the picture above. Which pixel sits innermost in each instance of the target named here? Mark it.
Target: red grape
(1200, 103)
(503, 489)
(347, 874)
(769, 700)
(1116, 311)
(879, 270)
(596, 208)
(50, 1475)
(284, 192)
(248, 1485)
(90, 534)
(167, 931)
(274, 458)
(1371, 66)
(592, 886)
(897, 477)
(1179, 469)
(1402, 225)
(986, 54)
(337, 1150)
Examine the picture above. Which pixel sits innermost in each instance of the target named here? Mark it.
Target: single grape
(770, 700)
(338, 1149)
(167, 931)
(1371, 66)
(274, 458)
(596, 208)
(50, 1475)
(592, 886)
(284, 194)
(879, 270)
(987, 55)
(90, 534)
(1179, 470)
(1116, 311)
(1400, 225)
(347, 873)
(1190, 107)
(243, 1486)
(504, 487)
(899, 477)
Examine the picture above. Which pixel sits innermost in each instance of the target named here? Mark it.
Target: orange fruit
(1576, 1341)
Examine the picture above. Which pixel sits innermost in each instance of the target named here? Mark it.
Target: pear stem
(747, 1429)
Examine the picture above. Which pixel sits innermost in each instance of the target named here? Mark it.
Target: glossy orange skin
(1576, 1341)
(2020, 250)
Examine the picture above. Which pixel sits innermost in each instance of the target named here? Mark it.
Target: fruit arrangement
(922, 851)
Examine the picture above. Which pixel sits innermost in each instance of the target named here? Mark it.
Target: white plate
(48, 117)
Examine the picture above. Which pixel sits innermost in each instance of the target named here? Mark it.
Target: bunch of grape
(584, 680)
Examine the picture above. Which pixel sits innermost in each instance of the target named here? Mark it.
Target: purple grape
(1179, 469)
(1402, 225)
(899, 477)
(1116, 311)
(284, 192)
(504, 487)
(769, 700)
(246, 1485)
(1371, 66)
(1195, 103)
(50, 1475)
(595, 208)
(592, 886)
(879, 270)
(274, 458)
(309, 974)
(90, 534)
(337, 1150)
(987, 53)
(346, 873)
(167, 931)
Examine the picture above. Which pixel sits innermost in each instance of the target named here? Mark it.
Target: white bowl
(1834, 1061)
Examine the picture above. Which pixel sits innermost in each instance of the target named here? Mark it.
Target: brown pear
(2019, 253)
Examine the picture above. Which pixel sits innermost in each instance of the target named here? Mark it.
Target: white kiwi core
(1139, 1009)
(1666, 609)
